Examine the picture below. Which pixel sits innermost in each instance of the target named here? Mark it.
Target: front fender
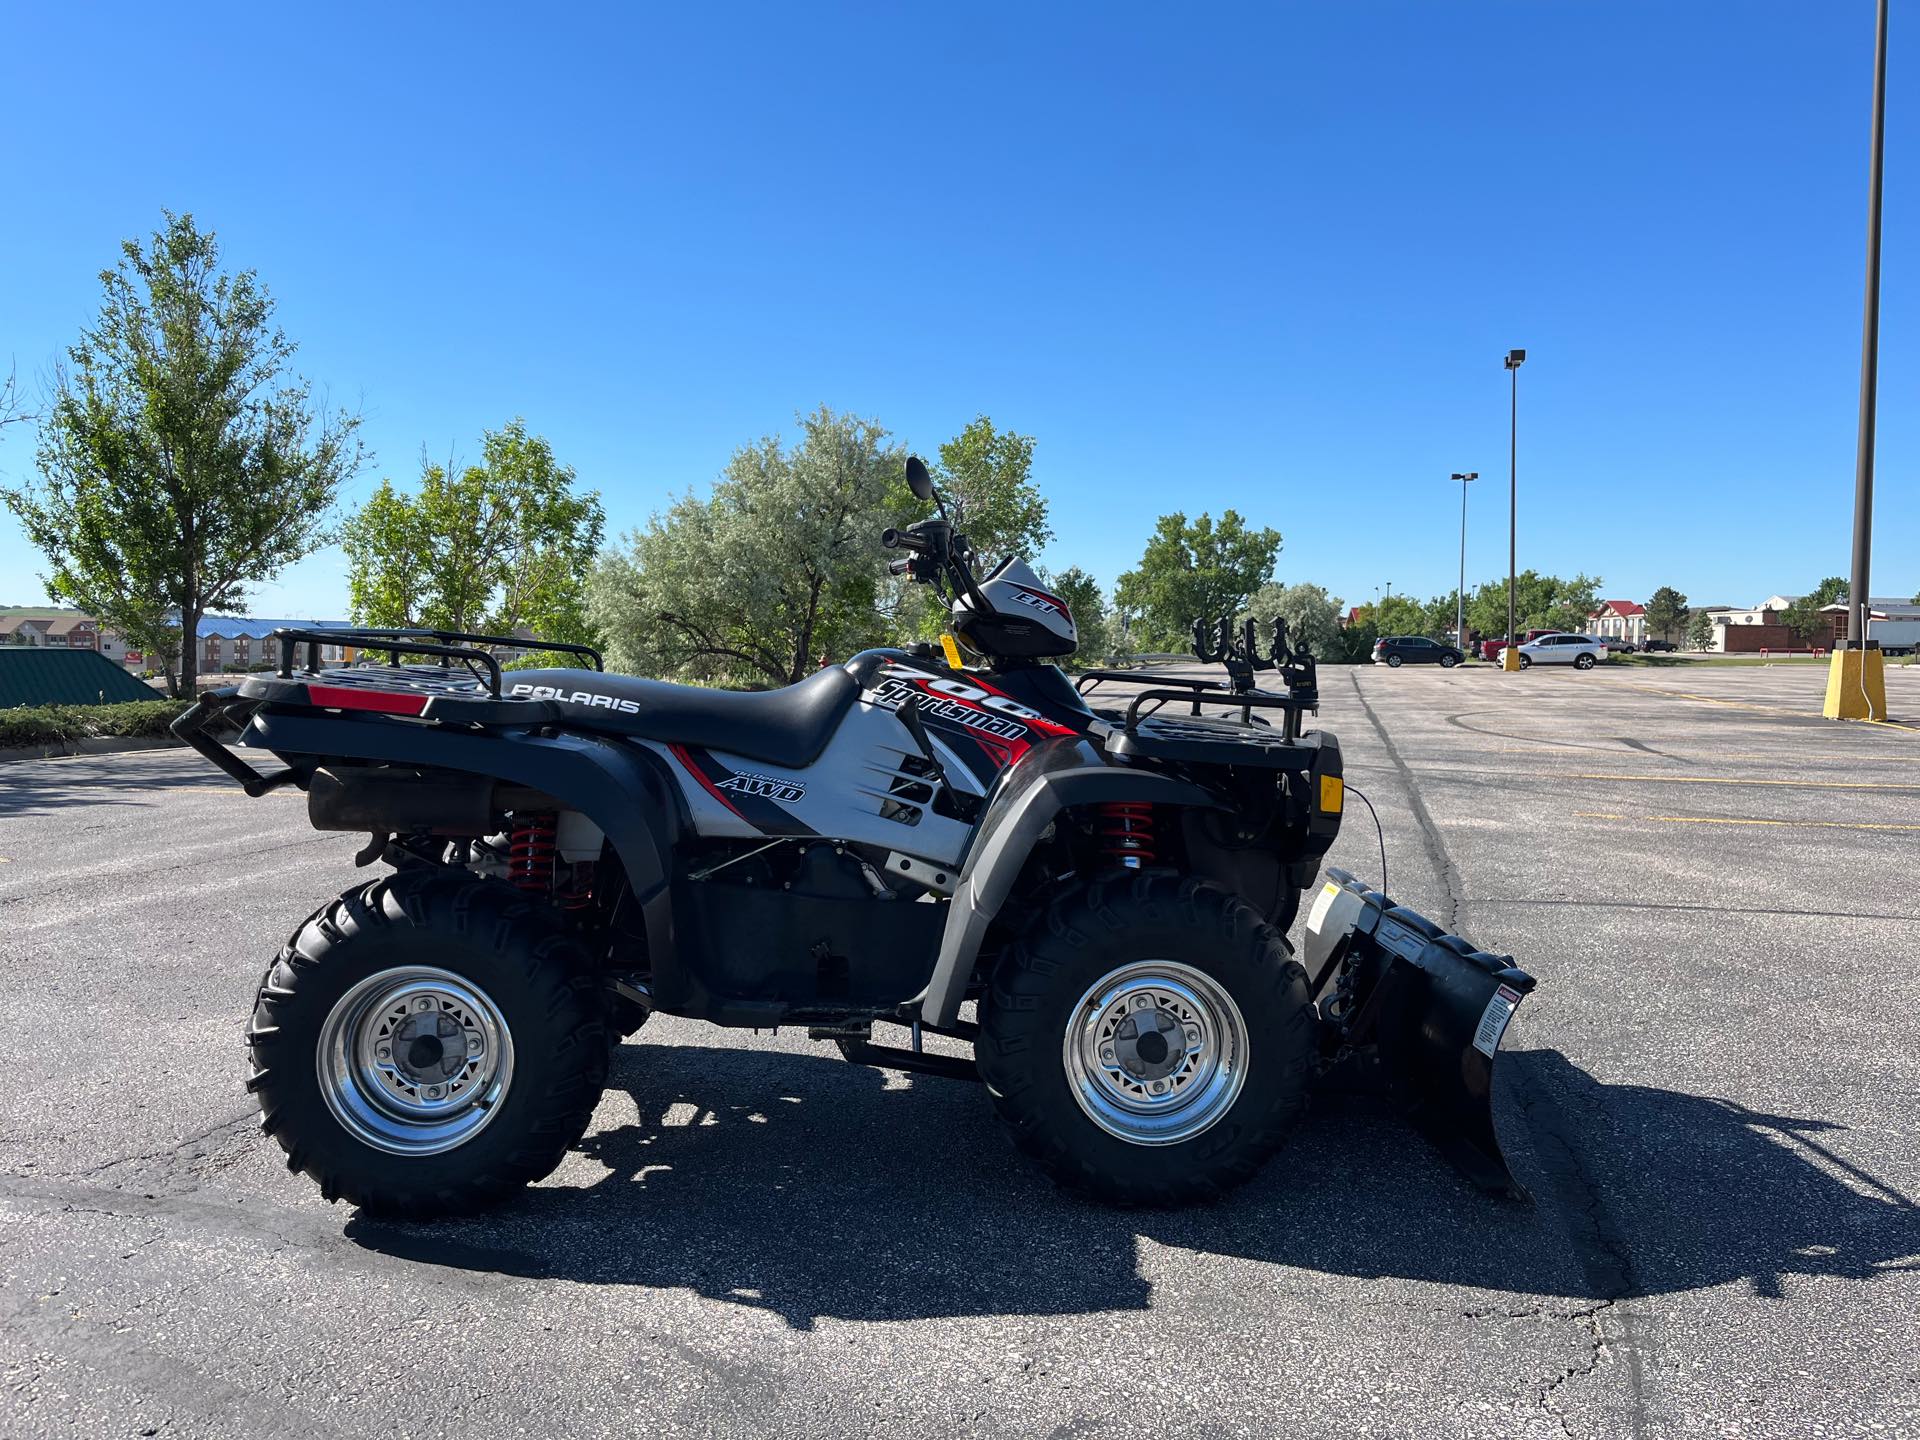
(1051, 778)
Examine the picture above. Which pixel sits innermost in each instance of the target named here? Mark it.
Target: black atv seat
(788, 727)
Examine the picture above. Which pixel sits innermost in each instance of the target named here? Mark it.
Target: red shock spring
(1124, 831)
(532, 847)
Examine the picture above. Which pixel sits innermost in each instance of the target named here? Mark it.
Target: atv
(888, 842)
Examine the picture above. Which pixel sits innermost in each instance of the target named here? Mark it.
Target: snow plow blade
(1425, 1009)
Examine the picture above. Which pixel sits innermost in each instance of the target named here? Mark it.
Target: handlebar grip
(894, 539)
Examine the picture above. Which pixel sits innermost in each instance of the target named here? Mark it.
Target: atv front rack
(1199, 738)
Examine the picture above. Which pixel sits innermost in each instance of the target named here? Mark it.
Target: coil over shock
(533, 845)
(1123, 829)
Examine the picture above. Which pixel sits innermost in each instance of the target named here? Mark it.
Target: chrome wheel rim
(1156, 1052)
(415, 1060)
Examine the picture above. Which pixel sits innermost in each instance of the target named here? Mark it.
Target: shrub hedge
(57, 724)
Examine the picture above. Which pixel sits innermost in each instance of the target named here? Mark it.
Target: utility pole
(1856, 679)
(1460, 595)
(1510, 657)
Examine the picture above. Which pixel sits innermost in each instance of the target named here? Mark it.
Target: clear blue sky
(1266, 258)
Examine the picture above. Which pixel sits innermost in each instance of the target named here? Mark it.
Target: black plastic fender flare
(1056, 777)
(614, 784)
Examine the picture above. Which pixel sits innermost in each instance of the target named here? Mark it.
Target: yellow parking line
(1729, 820)
(1760, 709)
(1722, 780)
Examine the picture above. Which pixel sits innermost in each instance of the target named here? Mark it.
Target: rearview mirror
(918, 480)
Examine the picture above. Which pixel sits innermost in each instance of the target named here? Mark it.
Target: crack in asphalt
(167, 1153)
(1430, 840)
(1610, 1326)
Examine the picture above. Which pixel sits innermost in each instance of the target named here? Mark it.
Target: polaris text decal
(747, 783)
(579, 697)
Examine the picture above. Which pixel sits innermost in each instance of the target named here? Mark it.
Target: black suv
(1397, 650)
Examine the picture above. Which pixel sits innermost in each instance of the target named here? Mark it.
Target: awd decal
(756, 799)
(579, 697)
(747, 783)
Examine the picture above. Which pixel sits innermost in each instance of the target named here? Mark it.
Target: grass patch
(60, 724)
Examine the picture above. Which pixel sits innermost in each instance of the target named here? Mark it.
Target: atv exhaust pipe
(1426, 1007)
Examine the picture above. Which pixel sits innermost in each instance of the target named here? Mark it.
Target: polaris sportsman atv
(885, 842)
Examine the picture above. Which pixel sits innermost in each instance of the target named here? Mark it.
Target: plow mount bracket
(1428, 1005)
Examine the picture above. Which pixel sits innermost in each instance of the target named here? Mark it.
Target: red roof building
(1619, 620)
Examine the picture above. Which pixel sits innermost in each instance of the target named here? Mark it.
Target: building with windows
(241, 642)
(1619, 620)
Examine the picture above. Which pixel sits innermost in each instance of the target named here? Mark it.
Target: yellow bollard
(1510, 658)
(1856, 686)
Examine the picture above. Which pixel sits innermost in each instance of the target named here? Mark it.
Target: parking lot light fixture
(1460, 595)
(1856, 675)
(1510, 657)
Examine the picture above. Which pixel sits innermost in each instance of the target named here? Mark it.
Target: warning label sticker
(1493, 1020)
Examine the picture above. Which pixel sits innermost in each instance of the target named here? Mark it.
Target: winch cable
(1379, 833)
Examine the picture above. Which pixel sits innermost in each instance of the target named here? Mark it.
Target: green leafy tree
(1088, 604)
(1700, 630)
(1194, 571)
(1400, 615)
(1312, 615)
(985, 475)
(180, 460)
(1666, 613)
(779, 565)
(1803, 616)
(1542, 602)
(499, 546)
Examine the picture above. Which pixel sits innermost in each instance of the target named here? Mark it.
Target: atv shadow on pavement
(813, 1188)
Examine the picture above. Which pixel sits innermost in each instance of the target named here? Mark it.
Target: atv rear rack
(467, 695)
(449, 645)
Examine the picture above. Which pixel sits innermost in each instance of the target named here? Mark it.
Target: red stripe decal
(680, 754)
(347, 697)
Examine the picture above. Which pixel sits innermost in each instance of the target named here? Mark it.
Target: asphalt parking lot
(1712, 1097)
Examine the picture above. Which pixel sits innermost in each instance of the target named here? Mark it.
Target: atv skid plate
(1418, 1012)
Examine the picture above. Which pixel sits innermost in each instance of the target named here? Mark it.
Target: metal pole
(1513, 494)
(1859, 598)
(1460, 593)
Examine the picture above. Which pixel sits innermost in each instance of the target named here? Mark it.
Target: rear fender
(616, 785)
(1057, 776)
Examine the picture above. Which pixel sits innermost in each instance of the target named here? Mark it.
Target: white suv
(1582, 652)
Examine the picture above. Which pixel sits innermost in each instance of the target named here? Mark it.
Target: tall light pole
(1460, 595)
(1509, 658)
(1856, 682)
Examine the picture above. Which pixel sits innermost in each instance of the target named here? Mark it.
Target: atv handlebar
(894, 539)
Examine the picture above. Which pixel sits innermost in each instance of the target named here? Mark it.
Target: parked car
(1657, 647)
(1398, 650)
(1582, 652)
(1616, 644)
(1490, 649)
